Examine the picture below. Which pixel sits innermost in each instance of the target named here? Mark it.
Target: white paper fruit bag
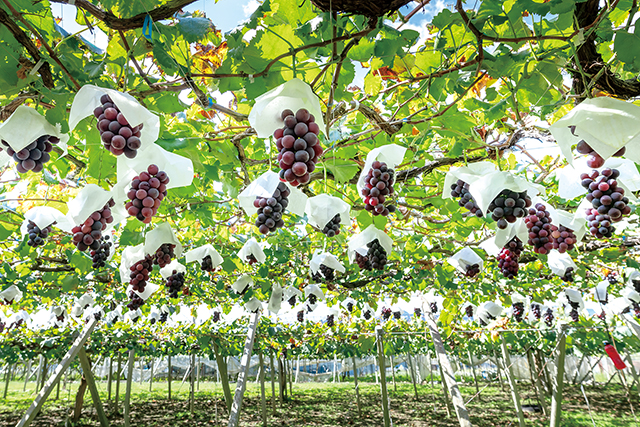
(252, 248)
(162, 234)
(327, 259)
(264, 186)
(242, 284)
(486, 188)
(276, 298)
(200, 253)
(358, 243)
(322, 209)
(464, 258)
(468, 174)
(559, 263)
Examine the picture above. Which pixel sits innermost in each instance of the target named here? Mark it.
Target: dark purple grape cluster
(100, 256)
(472, 270)
(117, 135)
(164, 254)
(330, 320)
(175, 283)
(312, 298)
(602, 315)
(461, 190)
(140, 273)
(397, 315)
(376, 255)
(36, 235)
(271, 209)
(333, 227)
(298, 146)
(378, 186)
(636, 284)
(509, 206)
(612, 278)
(300, 316)
(292, 300)
(215, 317)
(508, 258)
(363, 262)
(518, 311)
(563, 238)
(367, 315)
(417, 311)
(574, 311)
(324, 273)
(164, 316)
(469, 311)
(386, 313)
(539, 224)
(146, 193)
(548, 317)
(636, 308)
(89, 233)
(568, 275)
(207, 264)
(350, 307)
(536, 309)
(33, 156)
(433, 307)
(251, 259)
(595, 160)
(135, 301)
(608, 201)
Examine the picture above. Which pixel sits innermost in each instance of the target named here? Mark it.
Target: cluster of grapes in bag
(377, 255)
(300, 316)
(140, 273)
(324, 273)
(164, 254)
(608, 201)
(216, 317)
(117, 135)
(36, 235)
(461, 190)
(100, 256)
(292, 300)
(251, 259)
(333, 227)
(595, 160)
(536, 309)
(207, 264)
(472, 270)
(312, 299)
(386, 313)
(271, 209)
(350, 306)
(367, 315)
(518, 311)
(397, 315)
(164, 316)
(378, 186)
(330, 320)
(469, 311)
(298, 146)
(363, 262)
(568, 275)
(135, 301)
(433, 307)
(33, 156)
(146, 193)
(563, 238)
(508, 258)
(573, 314)
(636, 308)
(509, 206)
(612, 278)
(417, 311)
(175, 283)
(539, 224)
(89, 233)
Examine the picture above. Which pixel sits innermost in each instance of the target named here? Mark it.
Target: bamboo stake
(556, 401)
(118, 381)
(512, 383)
(109, 378)
(393, 373)
(127, 395)
(383, 381)
(169, 377)
(495, 355)
(273, 385)
(151, 376)
(355, 380)
(263, 402)
(224, 376)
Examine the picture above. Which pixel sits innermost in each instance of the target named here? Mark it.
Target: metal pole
(512, 382)
(383, 377)
(556, 401)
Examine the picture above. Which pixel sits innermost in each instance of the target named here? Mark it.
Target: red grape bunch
(118, 136)
(207, 264)
(378, 186)
(386, 313)
(377, 255)
(608, 201)
(539, 224)
(536, 309)
(330, 320)
(568, 275)
(548, 317)
(508, 206)
(146, 193)
(324, 273)
(164, 254)
(461, 190)
(175, 282)
(89, 233)
(563, 238)
(99, 256)
(595, 160)
(33, 156)
(508, 258)
(140, 273)
(518, 311)
(135, 301)
(333, 227)
(271, 209)
(636, 308)
(36, 235)
(363, 262)
(472, 270)
(251, 259)
(298, 145)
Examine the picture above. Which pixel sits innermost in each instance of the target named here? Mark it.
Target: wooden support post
(632, 368)
(413, 375)
(263, 400)
(383, 376)
(475, 376)
(45, 368)
(556, 401)
(245, 363)
(575, 376)
(7, 378)
(151, 377)
(109, 378)
(93, 389)
(273, 385)
(393, 373)
(224, 376)
(141, 370)
(515, 396)
(445, 391)
(291, 379)
(40, 370)
(118, 382)
(456, 397)
(58, 390)
(37, 403)
(545, 370)
(495, 355)
(535, 378)
(355, 380)
(430, 370)
(192, 383)
(127, 395)
(27, 374)
(169, 377)
(375, 370)
(281, 380)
